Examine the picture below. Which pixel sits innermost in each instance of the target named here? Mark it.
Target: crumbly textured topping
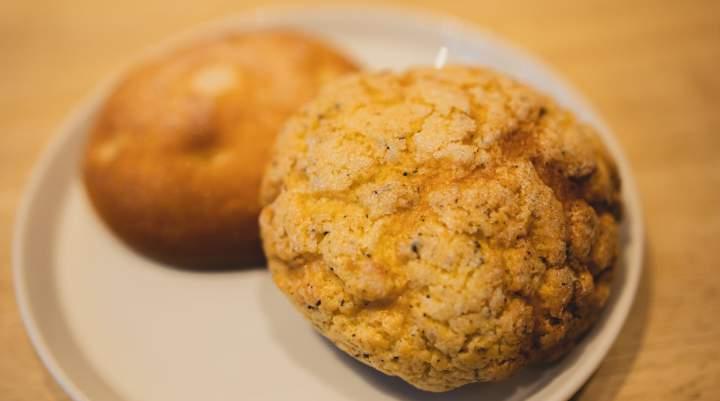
(445, 226)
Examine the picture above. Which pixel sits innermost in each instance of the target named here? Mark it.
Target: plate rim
(84, 109)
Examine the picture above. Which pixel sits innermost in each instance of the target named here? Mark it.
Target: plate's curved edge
(257, 18)
(57, 142)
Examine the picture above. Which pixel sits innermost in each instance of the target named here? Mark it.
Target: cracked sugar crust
(444, 226)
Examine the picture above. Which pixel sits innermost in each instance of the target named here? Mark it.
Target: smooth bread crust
(445, 226)
(175, 159)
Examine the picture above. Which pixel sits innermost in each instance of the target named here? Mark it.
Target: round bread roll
(444, 226)
(175, 158)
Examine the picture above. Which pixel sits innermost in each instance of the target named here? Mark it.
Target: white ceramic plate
(111, 325)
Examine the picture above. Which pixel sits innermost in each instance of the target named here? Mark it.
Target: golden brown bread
(444, 226)
(174, 160)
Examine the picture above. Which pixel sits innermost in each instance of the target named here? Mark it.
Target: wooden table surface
(652, 68)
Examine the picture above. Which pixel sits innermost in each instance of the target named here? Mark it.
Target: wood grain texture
(651, 67)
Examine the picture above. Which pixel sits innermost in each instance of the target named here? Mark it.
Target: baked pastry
(175, 159)
(444, 226)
